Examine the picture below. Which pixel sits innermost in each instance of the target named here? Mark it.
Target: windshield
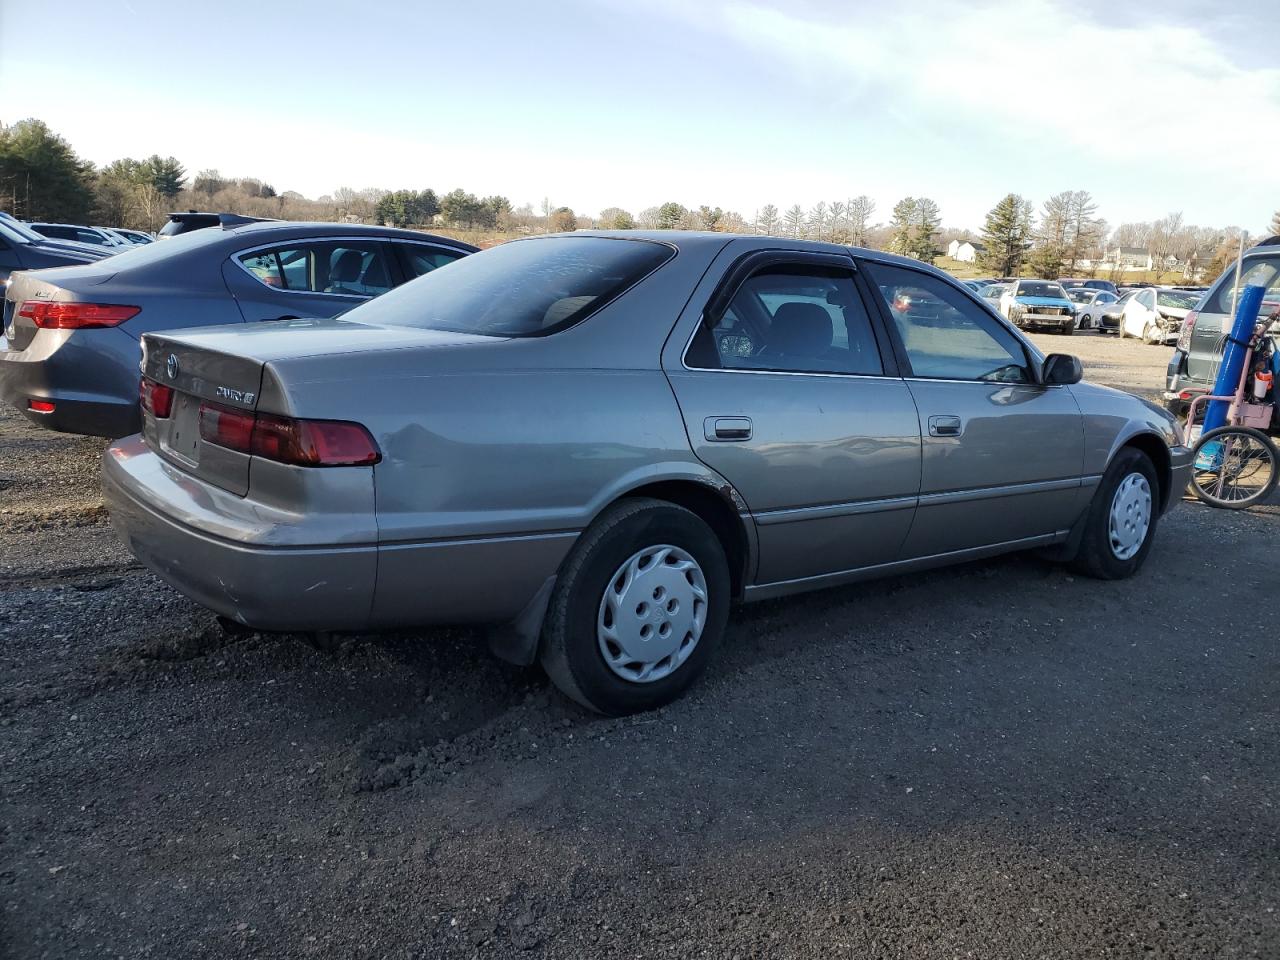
(525, 288)
(1040, 288)
(1082, 296)
(1177, 299)
(17, 231)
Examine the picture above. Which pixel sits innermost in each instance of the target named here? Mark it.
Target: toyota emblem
(171, 366)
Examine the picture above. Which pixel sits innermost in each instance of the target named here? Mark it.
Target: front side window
(423, 260)
(351, 268)
(790, 318)
(525, 288)
(946, 336)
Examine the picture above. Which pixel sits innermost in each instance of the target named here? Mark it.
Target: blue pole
(1232, 367)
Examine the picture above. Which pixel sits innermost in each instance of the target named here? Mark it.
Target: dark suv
(1199, 349)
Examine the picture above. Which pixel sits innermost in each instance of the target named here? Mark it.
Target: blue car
(1038, 305)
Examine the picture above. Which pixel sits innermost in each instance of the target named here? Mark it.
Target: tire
(1097, 557)
(1264, 456)
(573, 644)
(1067, 330)
(1147, 335)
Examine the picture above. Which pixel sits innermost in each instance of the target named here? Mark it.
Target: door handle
(723, 429)
(944, 427)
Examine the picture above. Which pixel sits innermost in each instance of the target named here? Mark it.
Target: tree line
(41, 178)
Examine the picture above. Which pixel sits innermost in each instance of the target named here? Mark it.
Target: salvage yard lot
(997, 760)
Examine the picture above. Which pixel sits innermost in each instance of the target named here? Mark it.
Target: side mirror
(1061, 368)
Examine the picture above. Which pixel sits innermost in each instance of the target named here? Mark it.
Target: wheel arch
(719, 508)
(1157, 451)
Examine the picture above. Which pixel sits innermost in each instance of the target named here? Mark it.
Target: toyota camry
(596, 442)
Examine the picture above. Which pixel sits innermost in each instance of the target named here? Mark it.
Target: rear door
(313, 277)
(785, 391)
(417, 259)
(1002, 455)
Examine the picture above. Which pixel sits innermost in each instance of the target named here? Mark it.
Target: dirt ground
(1000, 760)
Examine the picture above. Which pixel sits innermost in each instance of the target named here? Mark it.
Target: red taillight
(52, 315)
(303, 443)
(155, 398)
(1184, 335)
(225, 427)
(40, 406)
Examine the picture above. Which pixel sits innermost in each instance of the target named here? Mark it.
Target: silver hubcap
(1130, 516)
(652, 613)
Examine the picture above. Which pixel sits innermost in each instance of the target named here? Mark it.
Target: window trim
(1034, 363)
(393, 265)
(755, 261)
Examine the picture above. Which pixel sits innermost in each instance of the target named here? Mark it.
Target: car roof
(265, 231)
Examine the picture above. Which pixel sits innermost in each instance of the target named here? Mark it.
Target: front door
(786, 393)
(1002, 454)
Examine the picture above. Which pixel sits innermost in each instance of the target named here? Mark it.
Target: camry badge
(171, 366)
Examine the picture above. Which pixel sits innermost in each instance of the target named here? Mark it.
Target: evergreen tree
(793, 219)
(1006, 234)
(928, 220)
(167, 175)
(40, 175)
(902, 239)
(669, 215)
(767, 220)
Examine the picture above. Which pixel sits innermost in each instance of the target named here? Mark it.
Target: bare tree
(767, 219)
(859, 211)
(818, 220)
(1163, 242)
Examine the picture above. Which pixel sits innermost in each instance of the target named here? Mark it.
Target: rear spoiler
(229, 221)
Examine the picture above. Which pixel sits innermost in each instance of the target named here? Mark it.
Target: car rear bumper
(296, 572)
(91, 390)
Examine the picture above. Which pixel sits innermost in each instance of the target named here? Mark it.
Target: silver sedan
(596, 442)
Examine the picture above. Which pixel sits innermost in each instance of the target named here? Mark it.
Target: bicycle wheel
(1234, 467)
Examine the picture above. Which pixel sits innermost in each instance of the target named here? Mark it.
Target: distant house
(1129, 258)
(965, 251)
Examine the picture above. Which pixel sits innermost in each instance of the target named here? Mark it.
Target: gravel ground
(997, 760)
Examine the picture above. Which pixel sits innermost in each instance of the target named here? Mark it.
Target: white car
(1155, 314)
(1090, 305)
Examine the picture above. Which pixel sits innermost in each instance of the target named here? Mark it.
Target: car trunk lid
(199, 376)
(56, 285)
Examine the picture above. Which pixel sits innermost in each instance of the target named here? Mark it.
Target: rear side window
(945, 334)
(1256, 271)
(422, 260)
(525, 288)
(342, 267)
(797, 319)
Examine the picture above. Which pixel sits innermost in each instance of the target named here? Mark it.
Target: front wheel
(1121, 522)
(1234, 467)
(639, 607)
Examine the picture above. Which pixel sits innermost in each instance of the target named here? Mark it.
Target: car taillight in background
(1184, 335)
(302, 443)
(52, 315)
(156, 398)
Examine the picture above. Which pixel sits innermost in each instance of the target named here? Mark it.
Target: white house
(965, 251)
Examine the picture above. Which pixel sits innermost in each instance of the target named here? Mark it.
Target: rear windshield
(1032, 288)
(526, 288)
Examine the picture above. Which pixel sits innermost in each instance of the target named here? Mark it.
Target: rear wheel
(1121, 522)
(1234, 467)
(638, 610)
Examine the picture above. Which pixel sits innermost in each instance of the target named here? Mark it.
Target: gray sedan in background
(595, 442)
(70, 351)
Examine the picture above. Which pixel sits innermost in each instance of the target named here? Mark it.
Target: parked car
(1090, 305)
(71, 350)
(992, 293)
(23, 229)
(1037, 305)
(95, 236)
(133, 236)
(23, 249)
(1198, 351)
(185, 222)
(1109, 316)
(1089, 283)
(1155, 314)
(597, 440)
